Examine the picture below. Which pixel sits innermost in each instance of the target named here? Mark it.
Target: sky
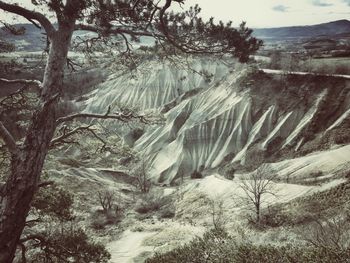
(259, 13)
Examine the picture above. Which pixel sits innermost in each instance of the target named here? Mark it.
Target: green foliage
(52, 237)
(304, 210)
(216, 246)
(274, 217)
(70, 245)
(275, 254)
(55, 202)
(239, 42)
(208, 248)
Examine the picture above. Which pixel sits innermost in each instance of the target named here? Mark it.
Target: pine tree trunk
(26, 166)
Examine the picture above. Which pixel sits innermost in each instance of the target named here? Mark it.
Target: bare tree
(141, 174)
(186, 32)
(106, 200)
(256, 186)
(217, 211)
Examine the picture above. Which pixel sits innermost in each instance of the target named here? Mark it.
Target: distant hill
(34, 39)
(325, 29)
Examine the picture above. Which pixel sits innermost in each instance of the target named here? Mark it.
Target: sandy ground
(129, 246)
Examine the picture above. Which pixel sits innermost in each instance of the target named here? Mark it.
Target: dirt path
(278, 71)
(128, 247)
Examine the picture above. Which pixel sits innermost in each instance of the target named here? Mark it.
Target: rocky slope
(219, 113)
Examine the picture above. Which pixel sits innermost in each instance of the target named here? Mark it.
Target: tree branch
(8, 139)
(22, 81)
(116, 31)
(29, 15)
(33, 237)
(65, 135)
(121, 116)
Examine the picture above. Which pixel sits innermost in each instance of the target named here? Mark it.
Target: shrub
(201, 249)
(150, 203)
(217, 246)
(230, 173)
(53, 237)
(196, 175)
(55, 202)
(100, 219)
(137, 133)
(69, 245)
(274, 217)
(167, 212)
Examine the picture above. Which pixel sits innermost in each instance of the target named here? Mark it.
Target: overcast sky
(262, 13)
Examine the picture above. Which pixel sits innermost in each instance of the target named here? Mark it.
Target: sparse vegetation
(330, 234)
(111, 212)
(217, 246)
(52, 234)
(68, 244)
(308, 209)
(293, 62)
(114, 185)
(152, 202)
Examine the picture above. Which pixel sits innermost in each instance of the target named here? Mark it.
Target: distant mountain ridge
(34, 39)
(327, 29)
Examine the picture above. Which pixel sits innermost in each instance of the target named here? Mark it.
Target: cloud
(347, 2)
(322, 3)
(280, 8)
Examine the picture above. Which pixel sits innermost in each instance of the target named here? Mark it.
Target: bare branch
(121, 116)
(30, 15)
(34, 23)
(22, 81)
(71, 64)
(33, 221)
(256, 186)
(65, 135)
(116, 31)
(8, 139)
(33, 237)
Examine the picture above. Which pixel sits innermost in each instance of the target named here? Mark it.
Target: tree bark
(257, 206)
(27, 164)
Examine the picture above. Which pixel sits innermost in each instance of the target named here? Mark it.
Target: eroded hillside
(221, 113)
